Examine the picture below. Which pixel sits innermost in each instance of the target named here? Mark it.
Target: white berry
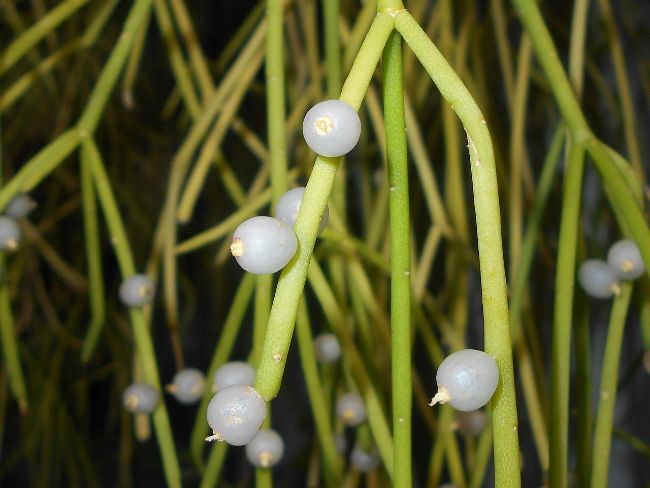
(289, 205)
(350, 409)
(20, 206)
(140, 398)
(263, 245)
(466, 379)
(625, 260)
(188, 385)
(327, 348)
(235, 415)
(331, 128)
(233, 373)
(364, 461)
(266, 449)
(597, 279)
(136, 291)
(9, 234)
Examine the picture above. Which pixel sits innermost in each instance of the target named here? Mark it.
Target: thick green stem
(400, 307)
(319, 187)
(488, 224)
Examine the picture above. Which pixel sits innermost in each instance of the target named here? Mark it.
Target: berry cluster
(19, 207)
(600, 279)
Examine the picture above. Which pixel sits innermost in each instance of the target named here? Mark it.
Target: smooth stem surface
(608, 386)
(275, 94)
(488, 223)
(563, 317)
(400, 297)
(319, 187)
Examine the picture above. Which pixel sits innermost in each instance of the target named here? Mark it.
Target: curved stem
(488, 224)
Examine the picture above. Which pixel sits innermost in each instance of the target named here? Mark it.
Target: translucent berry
(233, 373)
(289, 205)
(327, 348)
(364, 461)
(625, 260)
(597, 279)
(9, 234)
(266, 449)
(20, 206)
(331, 128)
(140, 398)
(188, 385)
(235, 415)
(350, 409)
(472, 423)
(136, 291)
(466, 379)
(263, 245)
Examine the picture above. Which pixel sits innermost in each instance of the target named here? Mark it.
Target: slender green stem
(34, 34)
(113, 67)
(227, 337)
(488, 223)
(400, 307)
(583, 388)
(624, 93)
(317, 400)
(332, 46)
(275, 96)
(141, 334)
(319, 187)
(608, 386)
(563, 317)
(531, 235)
(10, 353)
(94, 256)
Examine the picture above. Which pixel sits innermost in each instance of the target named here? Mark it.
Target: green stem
(141, 335)
(275, 95)
(319, 187)
(227, 337)
(34, 34)
(488, 224)
(10, 353)
(94, 257)
(400, 258)
(608, 385)
(563, 317)
(317, 399)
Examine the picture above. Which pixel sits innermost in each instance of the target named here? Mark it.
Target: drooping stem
(488, 223)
